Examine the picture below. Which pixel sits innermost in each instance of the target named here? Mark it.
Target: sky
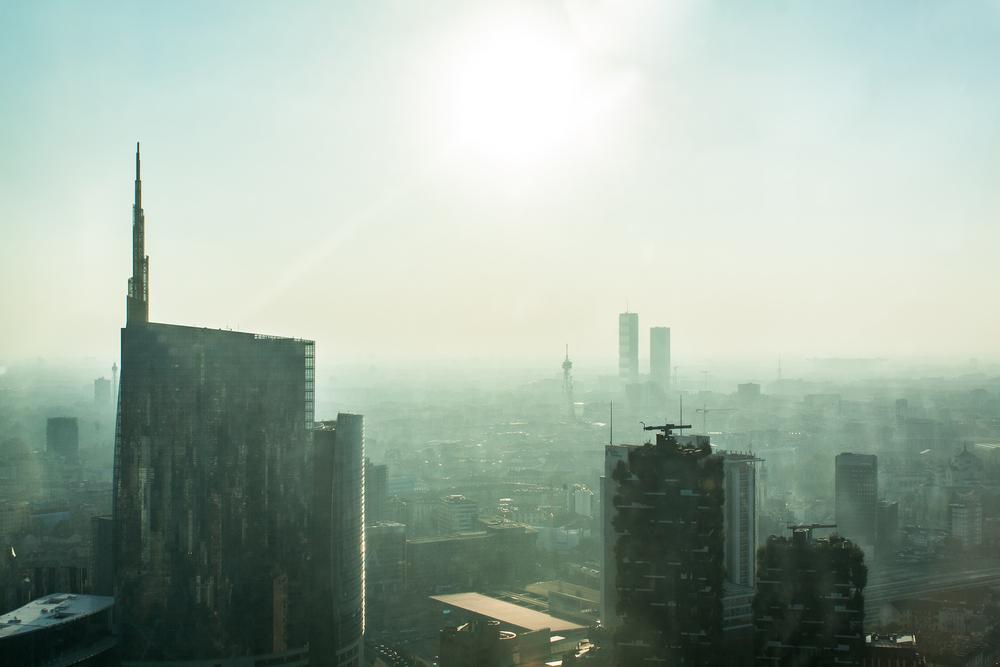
(468, 180)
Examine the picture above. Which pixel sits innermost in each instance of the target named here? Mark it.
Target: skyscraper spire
(137, 305)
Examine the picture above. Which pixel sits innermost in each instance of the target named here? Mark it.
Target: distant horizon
(536, 169)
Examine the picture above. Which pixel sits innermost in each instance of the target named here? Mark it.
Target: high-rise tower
(137, 309)
(856, 486)
(659, 356)
(667, 541)
(213, 454)
(628, 346)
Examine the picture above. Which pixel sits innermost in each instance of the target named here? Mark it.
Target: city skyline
(835, 164)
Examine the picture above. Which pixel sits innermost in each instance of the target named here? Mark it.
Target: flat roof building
(59, 629)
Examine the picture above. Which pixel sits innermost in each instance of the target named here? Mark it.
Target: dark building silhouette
(62, 437)
(210, 545)
(337, 543)
(101, 546)
(376, 491)
(478, 643)
(668, 553)
(857, 497)
(809, 607)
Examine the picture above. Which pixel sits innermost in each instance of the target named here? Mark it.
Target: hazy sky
(441, 180)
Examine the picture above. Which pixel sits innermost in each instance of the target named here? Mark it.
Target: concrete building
(211, 498)
(490, 632)
(580, 500)
(809, 607)
(667, 540)
(62, 437)
(628, 347)
(965, 519)
(456, 514)
(659, 356)
(337, 544)
(857, 498)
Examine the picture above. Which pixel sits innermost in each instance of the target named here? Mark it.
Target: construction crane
(704, 415)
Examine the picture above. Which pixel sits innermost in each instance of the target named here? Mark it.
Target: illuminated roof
(50, 611)
(506, 612)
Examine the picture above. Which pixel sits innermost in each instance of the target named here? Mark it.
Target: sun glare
(516, 94)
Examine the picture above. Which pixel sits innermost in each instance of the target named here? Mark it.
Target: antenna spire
(137, 303)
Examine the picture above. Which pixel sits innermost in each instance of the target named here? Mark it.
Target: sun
(516, 94)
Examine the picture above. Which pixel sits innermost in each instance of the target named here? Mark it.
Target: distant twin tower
(628, 351)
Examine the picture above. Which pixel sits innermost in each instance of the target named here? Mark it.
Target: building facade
(809, 606)
(667, 531)
(211, 492)
(857, 497)
(338, 544)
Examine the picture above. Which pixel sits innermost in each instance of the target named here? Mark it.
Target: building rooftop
(506, 612)
(50, 611)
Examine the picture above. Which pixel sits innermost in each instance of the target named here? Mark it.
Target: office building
(376, 491)
(667, 538)
(338, 550)
(385, 573)
(809, 608)
(62, 437)
(210, 548)
(740, 524)
(659, 356)
(456, 514)
(628, 347)
(857, 497)
(965, 519)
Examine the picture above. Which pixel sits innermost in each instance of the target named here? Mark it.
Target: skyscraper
(337, 544)
(376, 491)
(628, 346)
(809, 608)
(668, 553)
(740, 524)
(659, 356)
(137, 302)
(857, 497)
(210, 547)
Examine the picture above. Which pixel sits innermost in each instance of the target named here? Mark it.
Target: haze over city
(499, 334)
(445, 181)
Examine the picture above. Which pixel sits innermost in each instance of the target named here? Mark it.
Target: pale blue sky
(771, 177)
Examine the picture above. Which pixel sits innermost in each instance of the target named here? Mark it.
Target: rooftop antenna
(611, 429)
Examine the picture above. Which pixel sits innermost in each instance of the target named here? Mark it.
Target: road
(919, 579)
